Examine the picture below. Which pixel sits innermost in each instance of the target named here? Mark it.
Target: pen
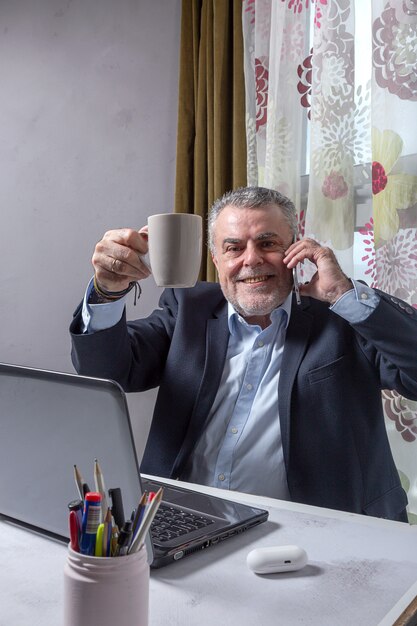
(74, 531)
(117, 511)
(124, 539)
(100, 488)
(77, 506)
(91, 521)
(147, 520)
(86, 489)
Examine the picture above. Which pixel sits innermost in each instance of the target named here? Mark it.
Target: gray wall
(88, 111)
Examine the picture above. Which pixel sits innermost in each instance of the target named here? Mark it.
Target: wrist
(339, 290)
(100, 295)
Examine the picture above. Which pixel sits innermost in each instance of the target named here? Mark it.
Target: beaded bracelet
(116, 295)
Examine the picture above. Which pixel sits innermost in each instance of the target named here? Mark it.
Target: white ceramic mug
(175, 246)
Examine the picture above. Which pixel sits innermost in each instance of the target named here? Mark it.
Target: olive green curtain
(211, 141)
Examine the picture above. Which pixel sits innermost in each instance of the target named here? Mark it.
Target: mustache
(253, 274)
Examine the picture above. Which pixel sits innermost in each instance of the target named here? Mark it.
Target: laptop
(51, 421)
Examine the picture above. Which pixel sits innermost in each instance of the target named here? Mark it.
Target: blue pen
(90, 523)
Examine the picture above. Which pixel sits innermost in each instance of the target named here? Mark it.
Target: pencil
(79, 481)
(100, 487)
(139, 538)
(139, 513)
(107, 534)
(113, 541)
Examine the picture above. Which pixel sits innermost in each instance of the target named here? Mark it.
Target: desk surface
(361, 571)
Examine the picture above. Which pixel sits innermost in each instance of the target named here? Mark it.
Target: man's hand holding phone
(329, 282)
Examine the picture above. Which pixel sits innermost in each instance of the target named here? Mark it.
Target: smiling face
(249, 245)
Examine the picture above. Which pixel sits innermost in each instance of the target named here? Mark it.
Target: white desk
(361, 571)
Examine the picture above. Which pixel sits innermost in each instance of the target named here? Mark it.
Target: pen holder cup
(107, 591)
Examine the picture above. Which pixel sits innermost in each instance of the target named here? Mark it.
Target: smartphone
(295, 281)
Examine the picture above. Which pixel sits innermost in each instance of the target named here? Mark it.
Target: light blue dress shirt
(97, 317)
(241, 447)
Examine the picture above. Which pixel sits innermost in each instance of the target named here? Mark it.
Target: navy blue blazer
(335, 444)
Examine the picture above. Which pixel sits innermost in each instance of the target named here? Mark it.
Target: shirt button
(221, 476)
(249, 386)
(364, 296)
(260, 344)
(234, 430)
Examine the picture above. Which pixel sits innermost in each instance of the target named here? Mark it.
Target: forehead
(244, 223)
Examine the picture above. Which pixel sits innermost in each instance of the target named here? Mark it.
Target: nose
(253, 255)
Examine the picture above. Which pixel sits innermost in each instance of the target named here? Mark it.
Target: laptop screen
(49, 422)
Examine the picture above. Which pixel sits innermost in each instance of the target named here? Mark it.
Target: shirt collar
(234, 318)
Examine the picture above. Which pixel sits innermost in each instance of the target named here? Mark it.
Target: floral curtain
(274, 43)
(331, 106)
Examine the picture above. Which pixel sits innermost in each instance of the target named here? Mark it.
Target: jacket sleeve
(388, 338)
(131, 353)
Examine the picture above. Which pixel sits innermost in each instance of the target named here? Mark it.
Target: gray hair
(251, 198)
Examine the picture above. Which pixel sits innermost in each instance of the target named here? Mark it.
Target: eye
(233, 249)
(270, 244)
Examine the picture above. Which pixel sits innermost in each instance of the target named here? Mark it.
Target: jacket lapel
(217, 339)
(295, 346)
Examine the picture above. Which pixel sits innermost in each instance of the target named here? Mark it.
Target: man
(257, 393)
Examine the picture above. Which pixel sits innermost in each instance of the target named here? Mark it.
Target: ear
(213, 258)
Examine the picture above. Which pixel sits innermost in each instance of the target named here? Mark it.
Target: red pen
(74, 529)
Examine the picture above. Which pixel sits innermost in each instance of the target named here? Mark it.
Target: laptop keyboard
(172, 522)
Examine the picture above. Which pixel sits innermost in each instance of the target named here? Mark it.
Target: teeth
(255, 279)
